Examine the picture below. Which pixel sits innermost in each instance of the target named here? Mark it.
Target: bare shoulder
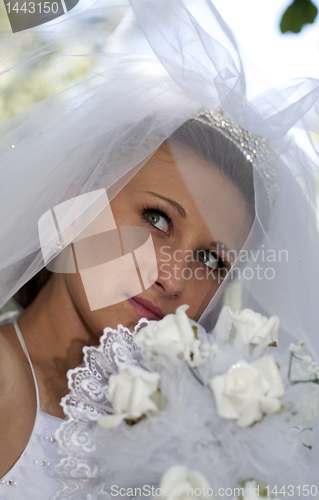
(17, 400)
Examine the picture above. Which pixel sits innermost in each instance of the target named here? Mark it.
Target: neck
(54, 330)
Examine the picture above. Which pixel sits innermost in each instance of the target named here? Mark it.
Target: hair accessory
(254, 147)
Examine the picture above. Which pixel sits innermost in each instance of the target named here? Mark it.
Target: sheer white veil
(158, 68)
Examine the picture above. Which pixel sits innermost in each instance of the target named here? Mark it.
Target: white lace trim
(87, 401)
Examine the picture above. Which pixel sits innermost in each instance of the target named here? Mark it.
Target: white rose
(182, 483)
(248, 391)
(171, 335)
(247, 327)
(129, 393)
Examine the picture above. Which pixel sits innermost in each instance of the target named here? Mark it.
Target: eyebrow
(173, 203)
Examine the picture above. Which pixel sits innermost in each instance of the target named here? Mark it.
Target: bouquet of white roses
(170, 411)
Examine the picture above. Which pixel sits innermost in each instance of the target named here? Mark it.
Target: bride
(221, 199)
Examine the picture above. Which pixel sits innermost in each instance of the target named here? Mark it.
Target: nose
(173, 271)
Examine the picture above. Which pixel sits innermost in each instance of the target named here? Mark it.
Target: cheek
(99, 319)
(198, 294)
(77, 292)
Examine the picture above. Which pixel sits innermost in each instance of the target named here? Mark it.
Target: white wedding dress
(32, 476)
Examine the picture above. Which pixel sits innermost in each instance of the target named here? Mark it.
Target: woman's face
(198, 221)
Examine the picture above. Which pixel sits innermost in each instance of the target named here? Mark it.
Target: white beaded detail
(42, 463)
(8, 482)
(50, 439)
(254, 147)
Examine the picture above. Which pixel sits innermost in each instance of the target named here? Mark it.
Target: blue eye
(158, 221)
(209, 259)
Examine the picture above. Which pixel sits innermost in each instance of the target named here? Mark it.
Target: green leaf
(260, 485)
(133, 421)
(299, 13)
(158, 399)
(232, 334)
(195, 331)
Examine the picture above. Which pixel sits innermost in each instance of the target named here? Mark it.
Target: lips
(146, 309)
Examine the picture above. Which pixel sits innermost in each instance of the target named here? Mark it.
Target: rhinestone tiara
(254, 147)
